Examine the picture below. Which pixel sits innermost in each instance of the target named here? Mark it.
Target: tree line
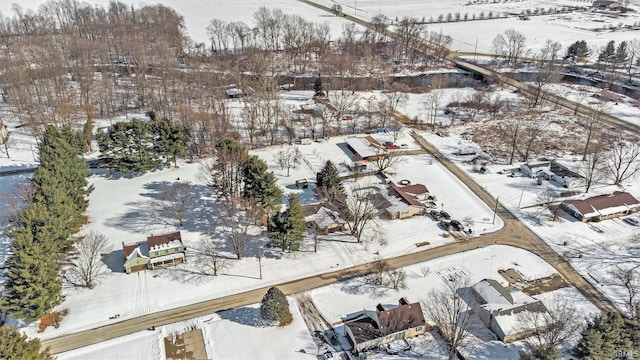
(44, 216)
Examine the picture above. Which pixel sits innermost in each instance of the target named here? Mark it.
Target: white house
(499, 308)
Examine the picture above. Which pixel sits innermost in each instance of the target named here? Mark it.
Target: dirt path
(312, 317)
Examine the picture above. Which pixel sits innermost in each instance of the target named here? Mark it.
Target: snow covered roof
(324, 218)
(409, 193)
(168, 238)
(603, 205)
(362, 146)
(498, 297)
(135, 253)
(169, 245)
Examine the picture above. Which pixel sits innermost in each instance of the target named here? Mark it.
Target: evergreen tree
(169, 140)
(129, 147)
(14, 345)
(33, 286)
(274, 306)
(604, 337)
(608, 53)
(622, 55)
(328, 185)
(260, 184)
(318, 87)
(61, 178)
(288, 228)
(579, 50)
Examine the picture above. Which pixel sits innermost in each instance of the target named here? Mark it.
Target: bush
(275, 307)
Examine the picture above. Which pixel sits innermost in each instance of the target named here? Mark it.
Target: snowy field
(226, 333)
(468, 36)
(122, 209)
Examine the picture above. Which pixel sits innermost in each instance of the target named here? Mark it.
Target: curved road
(514, 234)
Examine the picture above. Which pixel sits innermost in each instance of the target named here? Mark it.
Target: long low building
(602, 207)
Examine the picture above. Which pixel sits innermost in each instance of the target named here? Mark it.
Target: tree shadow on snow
(249, 316)
(364, 285)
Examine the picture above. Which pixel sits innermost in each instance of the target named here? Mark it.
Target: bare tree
(211, 256)
(397, 279)
(560, 323)
(592, 123)
(593, 168)
(360, 211)
(533, 128)
(546, 72)
(511, 45)
(86, 262)
(629, 277)
(547, 197)
(623, 161)
(289, 158)
(379, 271)
(510, 131)
(238, 224)
(451, 314)
(432, 103)
(384, 159)
(174, 201)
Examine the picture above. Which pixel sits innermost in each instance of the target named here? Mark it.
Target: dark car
(445, 215)
(456, 225)
(435, 214)
(444, 225)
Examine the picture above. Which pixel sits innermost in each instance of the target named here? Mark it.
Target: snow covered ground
(226, 333)
(594, 249)
(468, 36)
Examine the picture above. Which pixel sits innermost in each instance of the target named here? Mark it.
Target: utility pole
(475, 51)
(260, 263)
(495, 211)
(520, 201)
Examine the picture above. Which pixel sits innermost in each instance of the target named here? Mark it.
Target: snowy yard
(226, 333)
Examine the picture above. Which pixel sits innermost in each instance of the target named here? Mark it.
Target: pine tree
(328, 185)
(61, 178)
(169, 140)
(622, 55)
(129, 147)
(260, 184)
(318, 87)
(14, 345)
(274, 306)
(287, 229)
(33, 286)
(608, 53)
(604, 337)
(579, 50)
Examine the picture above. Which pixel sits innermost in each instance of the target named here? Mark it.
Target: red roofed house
(157, 252)
(602, 207)
(406, 201)
(166, 250)
(369, 330)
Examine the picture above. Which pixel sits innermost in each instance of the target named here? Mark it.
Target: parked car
(435, 214)
(392, 147)
(404, 146)
(631, 221)
(444, 225)
(456, 225)
(445, 215)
